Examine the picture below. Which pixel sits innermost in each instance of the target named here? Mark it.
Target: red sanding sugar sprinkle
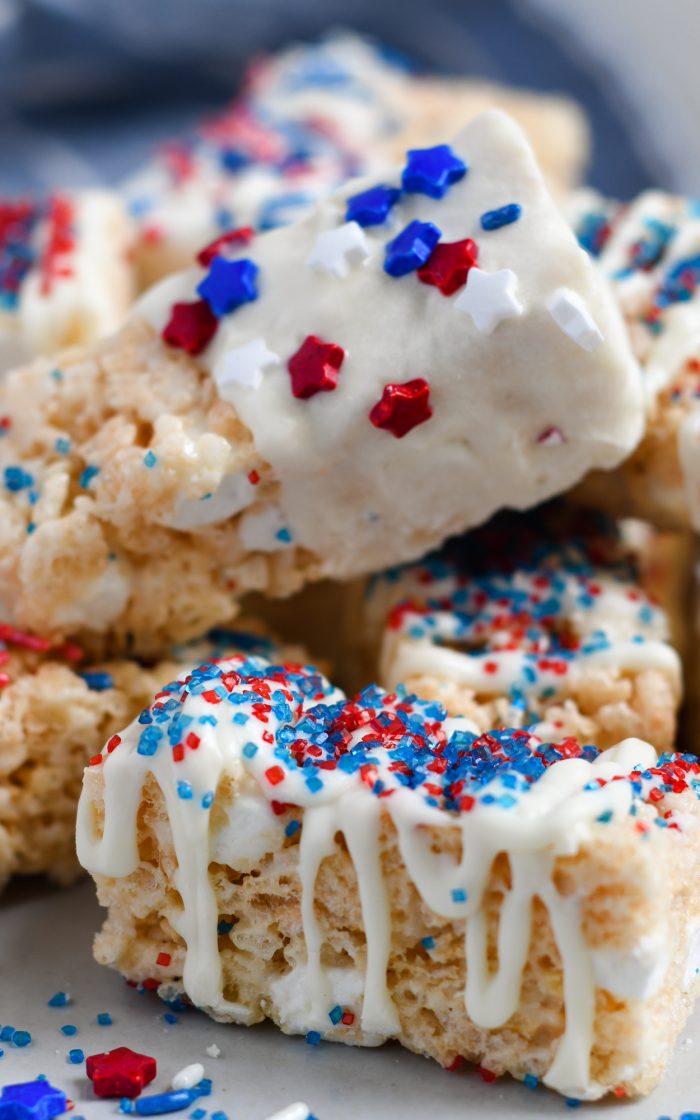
(60, 241)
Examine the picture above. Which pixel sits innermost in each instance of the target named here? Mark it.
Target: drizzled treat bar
(66, 272)
(650, 251)
(56, 711)
(544, 621)
(267, 418)
(309, 118)
(367, 869)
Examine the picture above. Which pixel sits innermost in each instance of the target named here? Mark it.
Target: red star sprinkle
(240, 236)
(191, 326)
(402, 407)
(448, 265)
(315, 367)
(120, 1073)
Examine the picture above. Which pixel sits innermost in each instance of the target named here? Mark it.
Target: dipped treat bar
(322, 400)
(307, 119)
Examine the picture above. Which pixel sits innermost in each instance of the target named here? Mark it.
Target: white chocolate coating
(352, 493)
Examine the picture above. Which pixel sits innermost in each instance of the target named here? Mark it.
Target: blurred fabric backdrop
(87, 87)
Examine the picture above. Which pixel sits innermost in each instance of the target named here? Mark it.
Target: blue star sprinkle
(228, 284)
(32, 1100)
(372, 207)
(411, 248)
(432, 171)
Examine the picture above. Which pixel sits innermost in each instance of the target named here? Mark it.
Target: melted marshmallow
(531, 819)
(343, 482)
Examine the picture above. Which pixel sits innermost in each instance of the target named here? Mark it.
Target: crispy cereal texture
(101, 562)
(51, 723)
(629, 889)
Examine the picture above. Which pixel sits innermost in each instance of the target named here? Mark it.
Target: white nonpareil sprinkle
(213, 1051)
(298, 1111)
(573, 317)
(489, 298)
(338, 250)
(243, 366)
(188, 1077)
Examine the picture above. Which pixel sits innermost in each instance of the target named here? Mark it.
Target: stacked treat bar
(489, 851)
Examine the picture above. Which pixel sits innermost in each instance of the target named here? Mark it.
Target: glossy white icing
(342, 480)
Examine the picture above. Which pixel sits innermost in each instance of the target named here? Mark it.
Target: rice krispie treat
(308, 118)
(66, 274)
(650, 251)
(332, 865)
(55, 713)
(267, 419)
(541, 620)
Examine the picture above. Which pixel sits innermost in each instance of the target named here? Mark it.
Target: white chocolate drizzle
(527, 628)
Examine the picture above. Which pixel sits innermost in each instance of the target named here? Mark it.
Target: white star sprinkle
(338, 250)
(489, 298)
(243, 366)
(573, 317)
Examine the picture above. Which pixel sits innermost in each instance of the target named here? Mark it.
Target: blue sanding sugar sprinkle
(75, 1057)
(17, 479)
(69, 1029)
(21, 1038)
(104, 1019)
(98, 681)
(313, 1038)
(87, 476)
(59, 999)
(313, 734)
